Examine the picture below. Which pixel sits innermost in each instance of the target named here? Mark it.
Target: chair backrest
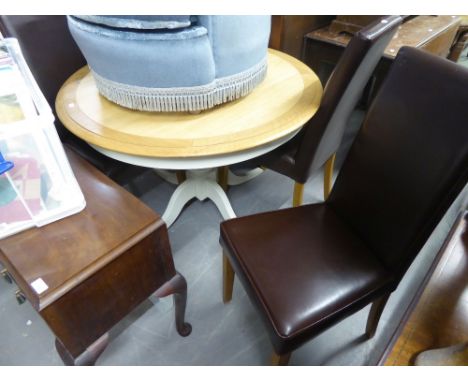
(323, 134)
(49, 50)
(410, 159)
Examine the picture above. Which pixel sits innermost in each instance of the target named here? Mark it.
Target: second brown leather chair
(307, 268)
(320, 138)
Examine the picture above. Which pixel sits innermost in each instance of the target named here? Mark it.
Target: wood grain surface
(287, 98)
(66, 252)
(434, 34)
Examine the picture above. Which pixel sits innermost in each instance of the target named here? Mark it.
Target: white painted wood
(195, 163)
(235, 180)
(200, 184)
(201, 176)
(168, 176)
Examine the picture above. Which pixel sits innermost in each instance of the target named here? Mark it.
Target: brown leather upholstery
(272, 256)
(308, 267)
(53, 56)
(321, 137)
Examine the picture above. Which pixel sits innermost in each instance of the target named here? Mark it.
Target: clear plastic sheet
(40, 187)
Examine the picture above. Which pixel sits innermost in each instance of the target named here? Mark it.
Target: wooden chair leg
(374, 315)
(181, 176)
(223, 177)
(328, 176)
(298, 194)
(280, 360)
(228, 279)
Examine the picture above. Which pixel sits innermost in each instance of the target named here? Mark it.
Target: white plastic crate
(40, 187)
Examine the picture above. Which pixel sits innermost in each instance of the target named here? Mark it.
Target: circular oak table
(198, 143)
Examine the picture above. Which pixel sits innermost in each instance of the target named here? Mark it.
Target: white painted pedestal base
(201, 174)
(235, 180)
(200, 184)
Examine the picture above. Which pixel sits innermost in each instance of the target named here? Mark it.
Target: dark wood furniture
(287, 32)
(315, 146)
(436, 317)
(351, 23)
(460, 41)
(98, 265)
(435, 34)
(307, 268)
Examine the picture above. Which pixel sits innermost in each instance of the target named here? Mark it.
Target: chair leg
(181, 176)
(374, 315)
(228, 279)
(298, 194)
(223, 177)
(280, 360)
(328, 176)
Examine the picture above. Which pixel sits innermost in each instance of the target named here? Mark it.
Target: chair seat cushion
(302, 268)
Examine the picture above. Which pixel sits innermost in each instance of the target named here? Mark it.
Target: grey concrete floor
(229, 334)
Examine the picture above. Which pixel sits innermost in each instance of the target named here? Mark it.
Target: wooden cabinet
(287, 32)
(435, 34)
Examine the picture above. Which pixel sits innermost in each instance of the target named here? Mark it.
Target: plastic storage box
(37, 185)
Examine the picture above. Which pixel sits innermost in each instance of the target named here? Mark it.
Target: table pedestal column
(200, 184)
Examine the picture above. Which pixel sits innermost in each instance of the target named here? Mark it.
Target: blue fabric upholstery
(140, 22)
(146, 59)
(238, 42)
(212, 60)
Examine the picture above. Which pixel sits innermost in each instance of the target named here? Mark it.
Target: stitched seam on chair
(248, 275)
(440, 209)
(299, 332)
(262, 298)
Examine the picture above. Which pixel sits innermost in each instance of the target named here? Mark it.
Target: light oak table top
(287, 98)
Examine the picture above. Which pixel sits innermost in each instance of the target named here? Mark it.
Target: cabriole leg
(88, 357)
(177, 286)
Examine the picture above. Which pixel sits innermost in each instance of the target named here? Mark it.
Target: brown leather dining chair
(317, 143)
(306, 268)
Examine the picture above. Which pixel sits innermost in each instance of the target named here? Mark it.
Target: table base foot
(200, 184)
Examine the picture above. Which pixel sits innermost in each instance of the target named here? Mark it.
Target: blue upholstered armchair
(173, 63)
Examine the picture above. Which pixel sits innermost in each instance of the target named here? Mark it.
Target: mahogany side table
(84, 273)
